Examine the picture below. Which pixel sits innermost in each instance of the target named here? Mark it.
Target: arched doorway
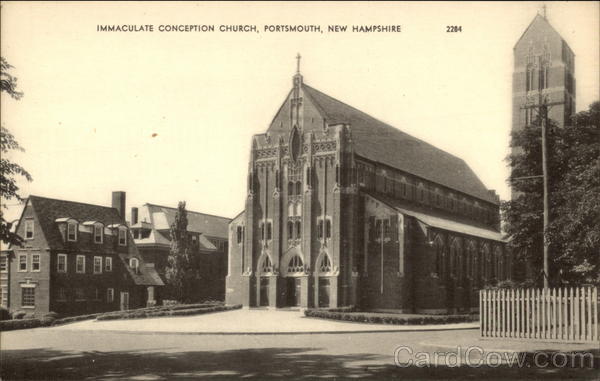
(265, 272)
(295, 270)
(324, 271)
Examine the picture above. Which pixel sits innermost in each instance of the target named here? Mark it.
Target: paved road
(48, 353)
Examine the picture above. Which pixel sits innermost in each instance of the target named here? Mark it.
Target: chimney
(118, 202)
(134, 215)
(494, 194)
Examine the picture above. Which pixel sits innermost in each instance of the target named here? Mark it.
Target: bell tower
(543, 63)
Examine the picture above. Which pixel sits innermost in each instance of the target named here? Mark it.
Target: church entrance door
(293, 291)
(324, 287)
(264, 291)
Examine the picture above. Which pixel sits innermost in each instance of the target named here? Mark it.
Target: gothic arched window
(325, 265)
(471, 268)
(486, 262)
(296, 265)
(544, 76)
(262, 230)
(320, 229)
(240, 234)
(455, 259)
(290, 230)
(295, 144)
(290, 188)
(530, 75)
(298, 229)
(298, 188)
(267, 267)
(439, 256)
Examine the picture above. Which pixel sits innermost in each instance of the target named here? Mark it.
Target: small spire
(544, 10)
(298, 56)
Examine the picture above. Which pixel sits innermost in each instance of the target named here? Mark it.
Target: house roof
(48, 210)
(382, 143)
(207, 224)
(436, 220)
(147, 276)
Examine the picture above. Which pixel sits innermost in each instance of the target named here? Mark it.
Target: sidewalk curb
(224, 333)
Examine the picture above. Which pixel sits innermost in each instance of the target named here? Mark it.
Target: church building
(343, 209)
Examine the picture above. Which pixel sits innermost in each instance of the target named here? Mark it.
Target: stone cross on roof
(298, 57)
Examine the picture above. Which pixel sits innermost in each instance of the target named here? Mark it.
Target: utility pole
(542, 106)
(544, 117)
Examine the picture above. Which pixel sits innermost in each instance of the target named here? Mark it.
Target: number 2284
(453, 28)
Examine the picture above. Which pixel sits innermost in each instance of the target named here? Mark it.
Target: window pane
(97, 264)
(80, 264)
(23, 262)
(72, 232)
(122, 236)
(61, 266)
(28, 297)
(29, 229)
(35, 263)
(98, 233)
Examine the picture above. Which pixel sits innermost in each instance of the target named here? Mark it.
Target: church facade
(343, 209)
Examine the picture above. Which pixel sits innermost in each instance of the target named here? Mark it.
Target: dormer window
(72, 231)
(98, 233)
(134, 263)
(122, 236)
(29, 229)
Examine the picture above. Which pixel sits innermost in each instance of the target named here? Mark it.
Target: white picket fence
(557, 314)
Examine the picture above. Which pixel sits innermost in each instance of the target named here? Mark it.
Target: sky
(169, 116)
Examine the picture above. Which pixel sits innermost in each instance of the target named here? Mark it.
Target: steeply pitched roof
(48, 210)
(147, 274)
(537, 19)
(212, 226)
(380, 142)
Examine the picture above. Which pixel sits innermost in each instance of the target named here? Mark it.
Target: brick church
(343, 209)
